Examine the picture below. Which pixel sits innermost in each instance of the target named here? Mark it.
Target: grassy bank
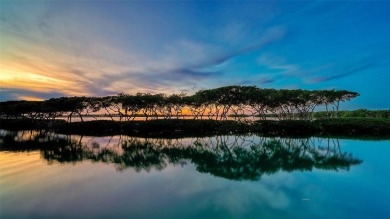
(353, 127)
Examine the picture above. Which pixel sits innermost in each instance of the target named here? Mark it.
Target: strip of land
(337, 127)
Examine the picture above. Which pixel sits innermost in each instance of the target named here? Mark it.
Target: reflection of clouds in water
(237, 200)
(279, 179)
(230, 196)
(261, 193)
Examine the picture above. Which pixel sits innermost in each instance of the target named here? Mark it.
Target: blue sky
(96, 48)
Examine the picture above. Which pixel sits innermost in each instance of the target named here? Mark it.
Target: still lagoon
(48, 175)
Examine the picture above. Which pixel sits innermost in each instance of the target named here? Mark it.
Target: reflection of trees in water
(232, 157)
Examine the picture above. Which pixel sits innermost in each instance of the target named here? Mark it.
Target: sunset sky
(96, 48)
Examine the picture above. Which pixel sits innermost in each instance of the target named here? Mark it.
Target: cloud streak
(176, 74)
(352, 71)
(15, 94)
(338, 70)
(269, 36)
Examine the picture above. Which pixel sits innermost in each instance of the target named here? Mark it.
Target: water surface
(45, 175)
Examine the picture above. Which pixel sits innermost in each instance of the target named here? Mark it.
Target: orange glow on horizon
(30, 98)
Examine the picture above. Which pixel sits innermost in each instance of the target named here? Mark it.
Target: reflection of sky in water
(30, 187)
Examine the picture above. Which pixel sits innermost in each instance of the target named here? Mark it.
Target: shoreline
(171, 128)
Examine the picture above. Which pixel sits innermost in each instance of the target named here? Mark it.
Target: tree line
(360, 113)
(217, 104)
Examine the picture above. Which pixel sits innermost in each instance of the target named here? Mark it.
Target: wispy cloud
(269, 36)
(182, 68)
(24, 94)
(278, 63)
(342, 74)
(348, 66)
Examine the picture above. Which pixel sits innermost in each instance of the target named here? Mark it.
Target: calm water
(44, 175)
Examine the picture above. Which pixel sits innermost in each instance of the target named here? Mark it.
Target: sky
(60, 48)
